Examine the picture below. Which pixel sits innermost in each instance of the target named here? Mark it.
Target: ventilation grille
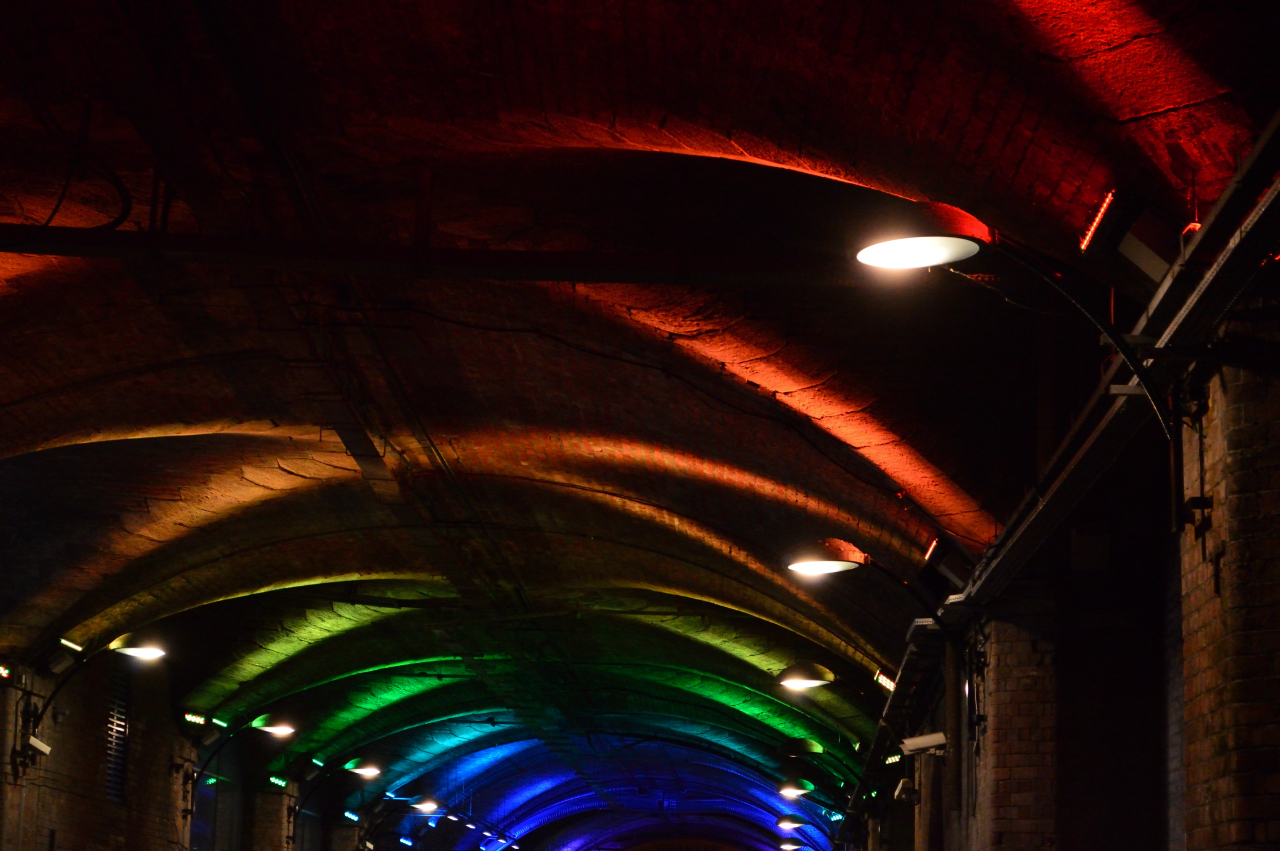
(117, 733)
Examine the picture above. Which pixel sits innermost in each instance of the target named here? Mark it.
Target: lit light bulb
(917, 252)
(145, 653)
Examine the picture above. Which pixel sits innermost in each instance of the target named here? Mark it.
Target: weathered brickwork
(1231, 588)
(65, 800)
(1018, 762)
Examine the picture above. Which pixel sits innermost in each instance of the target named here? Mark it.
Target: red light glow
(1097, 220)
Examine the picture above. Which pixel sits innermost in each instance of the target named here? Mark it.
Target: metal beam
(395, 261)
(1214, 270)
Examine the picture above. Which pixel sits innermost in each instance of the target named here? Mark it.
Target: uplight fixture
(147, 651)
(271, 724)
(926, 235)
(827, 555)
(805, 675)
(795, 788)
(363, 767)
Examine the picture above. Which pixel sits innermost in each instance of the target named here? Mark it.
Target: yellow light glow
(917, 252)
(144, 653)
(800, 684)
(818, 568)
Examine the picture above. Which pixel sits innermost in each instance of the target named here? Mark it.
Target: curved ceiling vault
(522, 544)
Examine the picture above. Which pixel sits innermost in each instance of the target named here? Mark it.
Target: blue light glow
(350, 815)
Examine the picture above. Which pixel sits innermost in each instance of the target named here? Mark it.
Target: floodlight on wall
(805, 675)
(795, 788)
(271, 724)
(827, 555)
(789, 822)
(924, 235)
(363, 767)
(129, 645)
(928, 743)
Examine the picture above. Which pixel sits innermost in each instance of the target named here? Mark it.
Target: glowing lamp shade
(926, 235)
(805, 675)
(425, 804)
(790, 822)
(828, 555)
(363, 767)
(147, 651)
(795, 788)
(789, 846)
(273, 725)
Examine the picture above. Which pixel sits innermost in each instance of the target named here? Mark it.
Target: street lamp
(827, 555)
(939, 234)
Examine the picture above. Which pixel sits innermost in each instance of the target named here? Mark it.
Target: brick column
(1017, 747)
(270, 821)
(1231, 618)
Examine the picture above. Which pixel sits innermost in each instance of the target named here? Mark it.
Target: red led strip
(1097, 220)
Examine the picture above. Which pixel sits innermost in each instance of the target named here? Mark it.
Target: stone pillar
(1017, 745)
(270, 822)
(1231, 615)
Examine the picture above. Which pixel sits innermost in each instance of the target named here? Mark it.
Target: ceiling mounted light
(828, 555)
(790, 822)
(424, 803)
(363, 767)
(805, 675)
(795, 788)
(926, 235)
(273, 725)
(145, 650)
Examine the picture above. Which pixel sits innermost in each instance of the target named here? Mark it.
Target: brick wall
(1230, 595)
(65, 801)
(1017, 763)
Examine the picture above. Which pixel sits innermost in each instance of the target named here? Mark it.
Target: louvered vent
(117, 733)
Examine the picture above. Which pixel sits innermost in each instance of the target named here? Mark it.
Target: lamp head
(827, 555)
(363, 767)
(806, 675)
(795, 788)
(130, 645)
(424, 803)
(790, 822)
(788, 845)
(925, 235)
(271, 724)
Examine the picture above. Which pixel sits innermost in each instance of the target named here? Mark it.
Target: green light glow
(193, 718)
(891, 760)
(279, 781)
(218, 723)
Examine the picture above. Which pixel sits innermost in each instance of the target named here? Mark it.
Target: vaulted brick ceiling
(487, 530)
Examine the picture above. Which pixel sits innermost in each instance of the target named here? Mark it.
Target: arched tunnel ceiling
(522, 543)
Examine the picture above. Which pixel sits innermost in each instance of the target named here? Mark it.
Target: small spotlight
(795, 788)
(805, 675)
(828, 555)
(271, 724)
(131, 646)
